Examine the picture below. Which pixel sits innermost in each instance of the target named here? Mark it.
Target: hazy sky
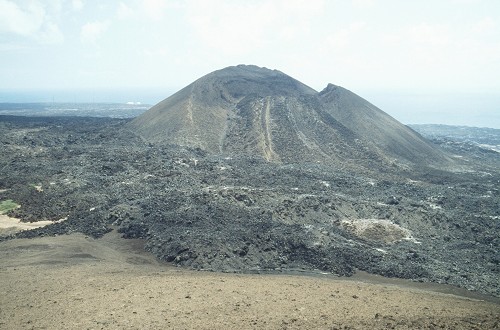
(411, 58)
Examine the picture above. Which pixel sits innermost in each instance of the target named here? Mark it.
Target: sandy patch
(10, 225)
(75, 282)
(380, 230)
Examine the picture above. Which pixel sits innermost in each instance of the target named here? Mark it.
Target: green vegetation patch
(7, 205)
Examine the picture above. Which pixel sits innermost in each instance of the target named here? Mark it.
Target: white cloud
(231, 28)
(50, 34)
(124, 11)
(31, 19)
(344, 37)
(155, 8)
(240, 27)
(363, 4)
(92, 31)
(24, 21)
(155, 53)
(485, 25)
(77, 4)
(433, 34)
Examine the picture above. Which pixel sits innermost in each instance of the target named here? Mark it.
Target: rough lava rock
(239, 210)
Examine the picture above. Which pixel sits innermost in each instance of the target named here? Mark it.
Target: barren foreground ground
(76, 282)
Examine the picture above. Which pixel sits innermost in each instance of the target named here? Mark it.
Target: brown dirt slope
(75, 282)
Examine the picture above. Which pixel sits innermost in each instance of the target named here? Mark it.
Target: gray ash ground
(232, 213)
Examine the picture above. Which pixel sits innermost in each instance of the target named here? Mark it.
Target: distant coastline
(128, 109)
(142, 95)
(473, 110)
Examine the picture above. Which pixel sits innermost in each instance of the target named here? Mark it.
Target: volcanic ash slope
(261, 112)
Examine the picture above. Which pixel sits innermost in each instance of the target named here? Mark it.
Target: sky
(426, 61)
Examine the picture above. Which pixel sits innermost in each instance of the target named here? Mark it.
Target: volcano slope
(268, 176)
(261, 112)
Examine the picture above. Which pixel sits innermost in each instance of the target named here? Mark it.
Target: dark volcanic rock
(218, 204)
